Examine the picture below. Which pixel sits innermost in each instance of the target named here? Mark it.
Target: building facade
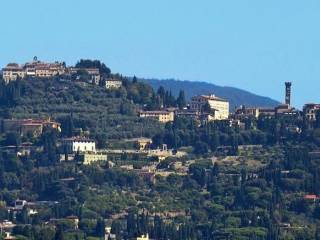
(28, 126)
(311, 110)
(113, 84)
(218, 105)
(77, 144)
(13, 71)
(161, 116)
(94, 157)
(244, 112)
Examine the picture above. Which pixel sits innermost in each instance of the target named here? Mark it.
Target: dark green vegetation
(235, 183)
(235, 96)
(89, 107)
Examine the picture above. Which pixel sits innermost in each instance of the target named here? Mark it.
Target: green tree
(12, 138)
(181, 100)
(100, 228)
(201, 148)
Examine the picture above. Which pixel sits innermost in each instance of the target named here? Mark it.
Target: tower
(288, 93)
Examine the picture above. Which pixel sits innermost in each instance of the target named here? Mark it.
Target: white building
(310, 111)
(113, 84)
(19, 204)
(12, 71)
(218, 105)
(76, 144)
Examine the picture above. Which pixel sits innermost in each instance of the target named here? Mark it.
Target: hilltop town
(89, 154)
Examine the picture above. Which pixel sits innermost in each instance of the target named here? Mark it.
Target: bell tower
(288, 93)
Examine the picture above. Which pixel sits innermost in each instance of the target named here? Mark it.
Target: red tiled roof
(310, 196)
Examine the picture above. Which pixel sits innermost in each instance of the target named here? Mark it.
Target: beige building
(243, 112)
(161, 116)
(28, 126)
(12, 72)
(90, 71)
(113, 84)
(310, 111)
(285, 109)
(92, 157)
(49, 70)
(33, 69)
(218, 105)
(143, 143)
(143, 237)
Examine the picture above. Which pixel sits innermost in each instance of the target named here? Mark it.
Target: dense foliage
(233, 183)
(234, 95)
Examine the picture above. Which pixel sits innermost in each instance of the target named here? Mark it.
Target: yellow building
(93, 157)
(218, 105)
(143, 237)
(143, 143)
(161, 116)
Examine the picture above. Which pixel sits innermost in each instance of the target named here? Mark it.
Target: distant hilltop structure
(288, 93)
(36, 68)
(205, 108)
(284, 109)
(219, 106)
(85, 70)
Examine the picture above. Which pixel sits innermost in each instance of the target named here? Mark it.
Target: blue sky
(250, 44)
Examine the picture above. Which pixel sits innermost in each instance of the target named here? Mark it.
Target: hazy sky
(250, 44)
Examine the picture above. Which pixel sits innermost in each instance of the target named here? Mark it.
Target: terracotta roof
(82, 139)
(310, 196)
(155, 112)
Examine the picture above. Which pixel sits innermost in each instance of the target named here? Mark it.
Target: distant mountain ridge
(235, 96)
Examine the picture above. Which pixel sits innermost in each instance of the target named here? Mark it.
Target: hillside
(109, 113)
(236, 96)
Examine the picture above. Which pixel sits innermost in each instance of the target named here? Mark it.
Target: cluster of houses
(39, 69)
(206, 108)
(33, 208)
(81, 149)
(203, 107)
(30, 208)
(197, 109)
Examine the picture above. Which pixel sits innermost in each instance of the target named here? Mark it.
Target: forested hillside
(105, 114)
(236, 96)
(256, 180)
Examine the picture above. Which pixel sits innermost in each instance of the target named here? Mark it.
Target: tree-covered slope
(112, 114)
(235, 96)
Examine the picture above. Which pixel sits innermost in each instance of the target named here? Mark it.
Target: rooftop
(212, 97)
(78, 139)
